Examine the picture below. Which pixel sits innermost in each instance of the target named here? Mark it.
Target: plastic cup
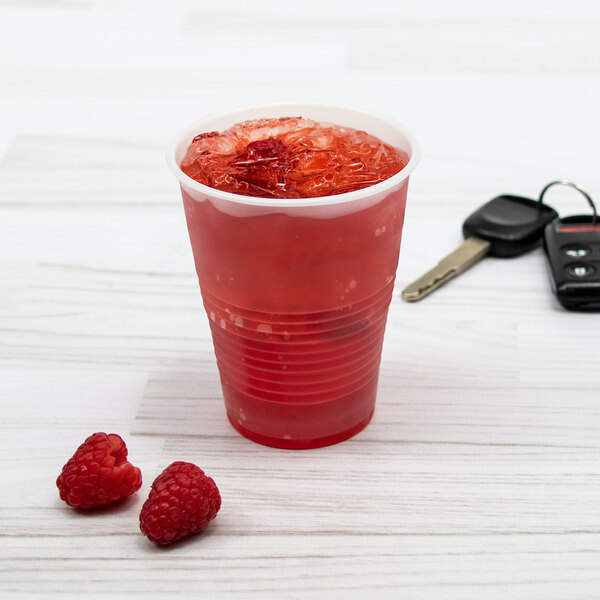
(297, 291)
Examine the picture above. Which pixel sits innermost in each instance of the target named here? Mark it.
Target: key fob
(572, 246)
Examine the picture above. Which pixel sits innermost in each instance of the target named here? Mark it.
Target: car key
(572, 246)
(506, 226)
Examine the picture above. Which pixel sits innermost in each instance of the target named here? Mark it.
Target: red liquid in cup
(297, 305)
(290, 157)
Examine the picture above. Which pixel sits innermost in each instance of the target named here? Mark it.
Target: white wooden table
(479, 476)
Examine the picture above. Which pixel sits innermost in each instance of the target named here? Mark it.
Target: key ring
(578, 188)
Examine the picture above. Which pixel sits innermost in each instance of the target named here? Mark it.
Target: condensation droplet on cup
(352, 284)
(223, 324)
(377, 232)
(212, 316)
(264, 328)
(239, 321)
(218, 277)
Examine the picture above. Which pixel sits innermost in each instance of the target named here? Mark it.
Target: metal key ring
(578, 188)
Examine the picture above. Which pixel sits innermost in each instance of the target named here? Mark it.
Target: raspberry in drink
(296, 279)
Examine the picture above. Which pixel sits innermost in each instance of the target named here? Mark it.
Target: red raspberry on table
(98, 473)
(182, 501)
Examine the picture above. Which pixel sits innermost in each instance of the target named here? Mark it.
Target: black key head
(572, 246)
(512, 224)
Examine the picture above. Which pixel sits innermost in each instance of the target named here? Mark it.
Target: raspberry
(268, 149)
(98, 473)
(182, 501)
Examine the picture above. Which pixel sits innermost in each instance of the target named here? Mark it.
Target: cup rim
(382, 187)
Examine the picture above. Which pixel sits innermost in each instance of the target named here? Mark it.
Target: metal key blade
(466, 255)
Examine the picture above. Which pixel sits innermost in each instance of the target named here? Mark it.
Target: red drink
(290, 157)
(297, 293)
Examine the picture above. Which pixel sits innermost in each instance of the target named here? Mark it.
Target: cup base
(296, 425)
(300, 444)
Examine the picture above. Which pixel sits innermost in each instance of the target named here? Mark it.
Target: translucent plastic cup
(297, 291)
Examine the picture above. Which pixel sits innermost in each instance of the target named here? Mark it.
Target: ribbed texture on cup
(306, 358)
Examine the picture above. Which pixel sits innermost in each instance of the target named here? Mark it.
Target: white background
(479, 476)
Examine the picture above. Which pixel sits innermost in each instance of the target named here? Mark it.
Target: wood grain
(479, 476)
